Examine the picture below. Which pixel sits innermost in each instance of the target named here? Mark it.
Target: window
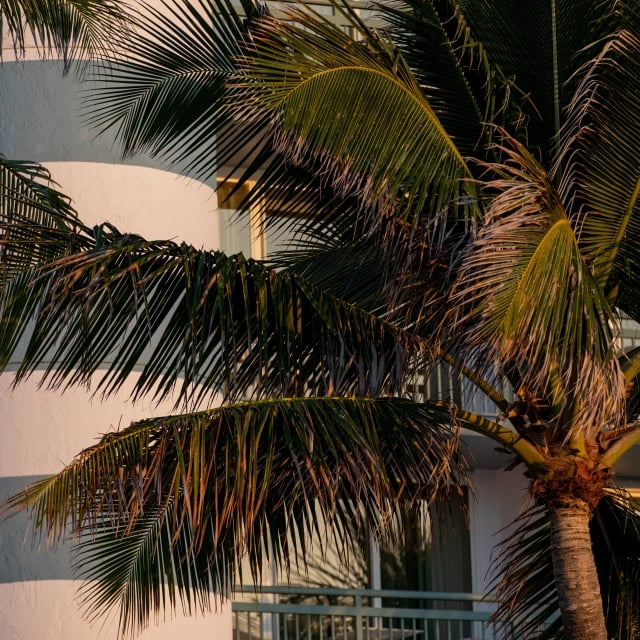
(425, 550)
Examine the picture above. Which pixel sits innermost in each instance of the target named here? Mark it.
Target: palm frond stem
(479, 381)
(632, 366)
(621, 446)
(504, 436)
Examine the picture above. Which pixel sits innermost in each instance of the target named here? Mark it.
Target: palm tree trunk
(575, 571)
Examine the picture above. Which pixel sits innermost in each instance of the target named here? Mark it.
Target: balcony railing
(308, 613)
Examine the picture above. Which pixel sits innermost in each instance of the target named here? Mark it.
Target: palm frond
(525, 587)
(144, 573)
(400, 273)
(603, 167)
(200, 321)
(28, 189)
(465, 90)
(29, 199)
(165, 90)
(526, 252)
(352, 271)
(68, 28)
(331, 110)
(169, 506)
(397, 270)
(540, 46)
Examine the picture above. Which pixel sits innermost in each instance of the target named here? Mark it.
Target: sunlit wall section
(41, 431)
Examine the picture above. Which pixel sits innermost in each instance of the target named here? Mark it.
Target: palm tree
(471, 196)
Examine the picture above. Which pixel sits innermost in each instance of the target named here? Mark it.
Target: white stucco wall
(42, 430)
(48, 612)
(500, 496)
(156, 204)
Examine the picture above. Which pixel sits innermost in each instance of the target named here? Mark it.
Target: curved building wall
(42, 430)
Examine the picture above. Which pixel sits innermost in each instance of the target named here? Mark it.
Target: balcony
(309, 613)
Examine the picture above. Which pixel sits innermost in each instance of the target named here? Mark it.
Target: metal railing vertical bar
(358, 620)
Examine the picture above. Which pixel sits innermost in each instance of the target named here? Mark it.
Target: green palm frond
(465, 90)
(525, 586)
(68, 28)
(349, 270)
(174, 503)
(29, 199)
(166, 92)
(200, 321)
(27, 189)
(400, 273)
(527, 252)
(605, 169)
(615, 531)
(144, 573)
(397, 270)
(342, 94)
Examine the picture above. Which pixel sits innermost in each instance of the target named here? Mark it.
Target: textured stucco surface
(153, 203)
(41, 430)
(44, 118)
(49, 612)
